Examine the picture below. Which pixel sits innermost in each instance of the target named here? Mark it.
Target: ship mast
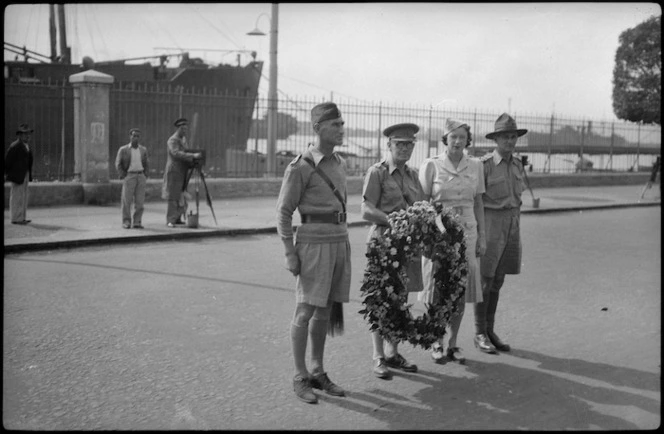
(52, 32)
(65, 52)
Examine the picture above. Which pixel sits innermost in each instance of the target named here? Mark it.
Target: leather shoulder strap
(327, 180)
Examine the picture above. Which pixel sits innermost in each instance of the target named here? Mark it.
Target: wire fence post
(380, 128)
(609, 164)
(547, 165)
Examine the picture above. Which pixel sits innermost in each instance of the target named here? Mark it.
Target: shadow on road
(507, 397)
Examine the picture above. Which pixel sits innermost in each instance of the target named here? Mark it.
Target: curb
(54, 245)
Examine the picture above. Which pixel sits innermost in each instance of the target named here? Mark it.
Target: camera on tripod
(198, 162)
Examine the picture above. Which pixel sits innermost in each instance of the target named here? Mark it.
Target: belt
(140, 171)
(461, 210)
(514, 210)
(335, 218)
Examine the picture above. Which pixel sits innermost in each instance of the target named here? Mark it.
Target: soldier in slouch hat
(504, 183)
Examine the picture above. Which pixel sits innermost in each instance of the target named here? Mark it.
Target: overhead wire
(96, 24)
(217, 29)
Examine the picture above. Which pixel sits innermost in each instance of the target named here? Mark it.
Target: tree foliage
(637, 87)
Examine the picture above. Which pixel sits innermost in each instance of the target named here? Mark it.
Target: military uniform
(390, 190)
(390, 186)
(325, 274)
(318, 254)
(504, 183)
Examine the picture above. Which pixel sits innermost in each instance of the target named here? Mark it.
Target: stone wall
(71, 193)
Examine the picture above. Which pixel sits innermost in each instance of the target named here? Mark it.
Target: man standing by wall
(504, 184)
(177, 163)
(18, 170)
(132, 165)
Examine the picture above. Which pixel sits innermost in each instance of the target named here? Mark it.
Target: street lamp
(272, 90)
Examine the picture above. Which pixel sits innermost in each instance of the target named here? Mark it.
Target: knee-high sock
(481, 307)
(492, 303)
(299, 336)
(455, 323)
(318, 333)
(377, 340)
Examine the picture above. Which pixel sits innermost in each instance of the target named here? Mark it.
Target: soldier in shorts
(503, 178)
(318, 254)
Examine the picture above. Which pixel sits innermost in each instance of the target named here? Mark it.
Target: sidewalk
(75, 226)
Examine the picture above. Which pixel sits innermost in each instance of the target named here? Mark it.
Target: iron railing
(232, 130)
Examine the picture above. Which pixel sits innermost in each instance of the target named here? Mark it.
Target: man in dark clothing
(18, 170)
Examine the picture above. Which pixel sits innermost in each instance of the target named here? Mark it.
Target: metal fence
(553, 143)
(49, 109)
(232, 130)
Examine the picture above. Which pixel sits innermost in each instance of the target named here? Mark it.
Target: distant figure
(583, 164)
(132, 165)
(177, 163)
(18, 170)
(656, 169)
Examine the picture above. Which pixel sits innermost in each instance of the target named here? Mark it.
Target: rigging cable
(101, 34)
(218, 30)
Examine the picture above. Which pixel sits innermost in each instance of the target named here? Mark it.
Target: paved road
(194, 335)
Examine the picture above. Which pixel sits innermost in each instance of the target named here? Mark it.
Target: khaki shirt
(303, 189)
(504, 182)
(388, 189)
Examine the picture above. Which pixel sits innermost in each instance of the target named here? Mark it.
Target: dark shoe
(179, 222)
(454, 355)
(25, 222)
(437, 353)
(495, 340)
(483, 344)
(302, 389)
(138, 226)
(126, 225)
(399, 362)
(380, 369)
(323, 382)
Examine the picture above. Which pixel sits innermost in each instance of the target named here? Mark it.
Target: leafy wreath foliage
(412, 232)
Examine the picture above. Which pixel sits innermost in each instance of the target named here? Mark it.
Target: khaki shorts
(324, 273)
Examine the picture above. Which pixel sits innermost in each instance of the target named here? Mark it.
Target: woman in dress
(391, 185)
(456, 180)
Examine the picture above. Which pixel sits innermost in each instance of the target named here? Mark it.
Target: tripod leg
(208, 198)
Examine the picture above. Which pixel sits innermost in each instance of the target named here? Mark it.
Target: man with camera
(177, 164)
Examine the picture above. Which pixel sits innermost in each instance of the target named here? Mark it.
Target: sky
(535, 58)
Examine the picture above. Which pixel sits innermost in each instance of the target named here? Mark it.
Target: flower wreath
(434, 232)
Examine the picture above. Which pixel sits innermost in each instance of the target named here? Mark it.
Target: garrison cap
(505, 124)
(24, 128)
(404, 132)
(180, 122)
(453, 124)
(135, 130)
(324, 111)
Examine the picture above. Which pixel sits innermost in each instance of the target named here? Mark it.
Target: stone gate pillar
(91, 134)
